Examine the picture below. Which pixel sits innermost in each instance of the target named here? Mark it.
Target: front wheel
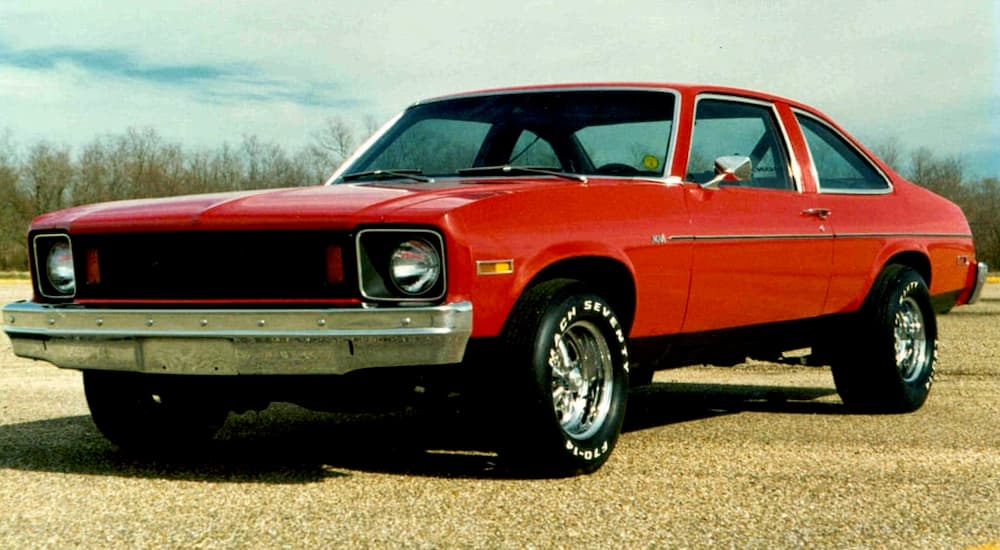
(152, 413)
(887, 365)
(568, 369)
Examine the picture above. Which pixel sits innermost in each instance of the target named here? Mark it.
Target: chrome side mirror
(730, 168)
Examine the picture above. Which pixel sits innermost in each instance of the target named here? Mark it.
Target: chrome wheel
(910, 340)
(888, 366)
(582, 379)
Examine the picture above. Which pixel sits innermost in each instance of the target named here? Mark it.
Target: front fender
(494, 294)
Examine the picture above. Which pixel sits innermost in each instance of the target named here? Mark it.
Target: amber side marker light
(495, 267)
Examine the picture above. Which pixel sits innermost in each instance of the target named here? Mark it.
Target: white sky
(205, 72)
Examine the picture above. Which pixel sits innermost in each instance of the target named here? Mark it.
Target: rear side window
(839, 166)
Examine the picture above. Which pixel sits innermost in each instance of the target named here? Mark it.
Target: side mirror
(730, 168)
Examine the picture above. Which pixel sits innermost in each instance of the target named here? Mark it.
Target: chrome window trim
(439, 239)
(794, 171)
(850, 143)
(41, 272)
(671, 144)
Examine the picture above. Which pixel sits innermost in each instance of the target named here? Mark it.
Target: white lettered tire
(567, 363)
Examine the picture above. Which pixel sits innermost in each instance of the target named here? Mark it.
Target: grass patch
(15, 275)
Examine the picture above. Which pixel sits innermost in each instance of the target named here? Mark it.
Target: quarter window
(839, 166)
(723, 128)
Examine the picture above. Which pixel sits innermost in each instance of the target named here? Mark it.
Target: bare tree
(889, 151)
(943, 176)
(49, 176)
(333, 143)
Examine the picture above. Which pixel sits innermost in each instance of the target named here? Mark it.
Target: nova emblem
(659, 238)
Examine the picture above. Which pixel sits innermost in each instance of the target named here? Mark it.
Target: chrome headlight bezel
(401, 265)
(55, 268)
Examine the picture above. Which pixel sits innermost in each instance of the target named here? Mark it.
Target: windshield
(592, 132)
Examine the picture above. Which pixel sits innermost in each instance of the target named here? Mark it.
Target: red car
(533, 248)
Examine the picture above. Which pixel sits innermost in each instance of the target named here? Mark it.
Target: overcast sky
(206, 72)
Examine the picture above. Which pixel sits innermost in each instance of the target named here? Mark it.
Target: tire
(567, 371)
(151, 413)
(887, 363)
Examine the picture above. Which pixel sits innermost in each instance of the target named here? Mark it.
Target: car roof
(682, 88)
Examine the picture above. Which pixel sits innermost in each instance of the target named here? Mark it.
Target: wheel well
(608, 277)
(916, 261)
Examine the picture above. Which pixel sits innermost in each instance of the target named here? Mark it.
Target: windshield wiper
(506, 169)
(403, 173)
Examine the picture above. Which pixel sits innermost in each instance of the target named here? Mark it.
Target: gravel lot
(757, 456)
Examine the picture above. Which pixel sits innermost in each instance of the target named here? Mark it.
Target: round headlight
(59, 268)
(415, 267)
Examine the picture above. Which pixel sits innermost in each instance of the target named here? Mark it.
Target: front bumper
(239, 341)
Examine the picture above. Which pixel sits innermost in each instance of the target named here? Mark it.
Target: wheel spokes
(581, 379)
(910, 339)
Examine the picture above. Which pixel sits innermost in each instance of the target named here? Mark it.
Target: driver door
(760, 255)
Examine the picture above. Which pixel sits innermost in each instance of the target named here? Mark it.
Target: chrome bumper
(982, 270)
(232, 342)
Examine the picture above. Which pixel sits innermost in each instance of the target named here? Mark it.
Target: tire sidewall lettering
(586, 307)
(588, 453)
(605, 312)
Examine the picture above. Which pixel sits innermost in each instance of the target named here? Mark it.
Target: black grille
(213, 266)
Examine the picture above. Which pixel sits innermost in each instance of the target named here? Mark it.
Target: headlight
(415, 267)
(54, 270)
(59, 268)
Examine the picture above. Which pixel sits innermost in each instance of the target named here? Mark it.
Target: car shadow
(663, 403)
(286, 444)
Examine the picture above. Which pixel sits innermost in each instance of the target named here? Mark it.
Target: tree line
(140, 163)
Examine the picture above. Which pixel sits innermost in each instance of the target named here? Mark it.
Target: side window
(838, 165)
(724, 128)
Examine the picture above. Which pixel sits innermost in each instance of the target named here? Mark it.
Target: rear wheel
(151, 413)
(887, 364)
(568, 379)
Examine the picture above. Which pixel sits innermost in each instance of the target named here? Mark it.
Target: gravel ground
(756, 456)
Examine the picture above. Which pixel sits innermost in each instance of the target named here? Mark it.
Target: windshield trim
(666, 178)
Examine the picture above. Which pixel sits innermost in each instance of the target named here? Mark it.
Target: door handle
(821, 213)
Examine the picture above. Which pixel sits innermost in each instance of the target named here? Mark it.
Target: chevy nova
(533, 248)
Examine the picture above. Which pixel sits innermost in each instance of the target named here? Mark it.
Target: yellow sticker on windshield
(650, 162)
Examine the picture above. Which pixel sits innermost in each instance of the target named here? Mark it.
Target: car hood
(320, 207)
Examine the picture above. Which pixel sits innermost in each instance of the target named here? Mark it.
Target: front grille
(214, 266)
